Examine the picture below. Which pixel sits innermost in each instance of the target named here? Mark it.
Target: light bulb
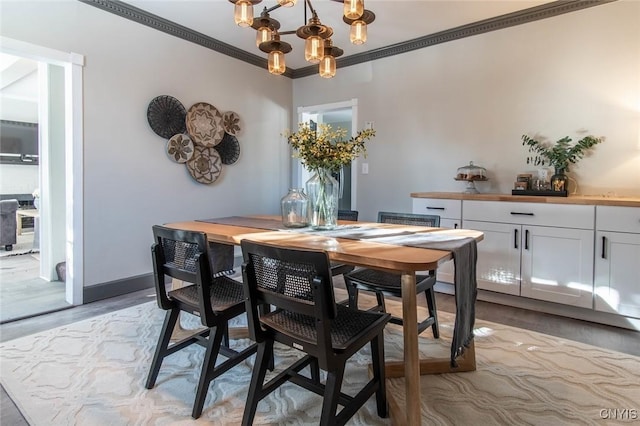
(358, 33)
(353, 9)
(276, 62)
(328, 66)
(263, 34)
(243, 13)
(287, 3)
(314, 49)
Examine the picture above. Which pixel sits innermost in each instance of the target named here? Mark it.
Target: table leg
(19, 223)
(411, 355)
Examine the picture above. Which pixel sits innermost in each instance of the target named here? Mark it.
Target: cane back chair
(185, 255)
(387, 283)
(298, 285)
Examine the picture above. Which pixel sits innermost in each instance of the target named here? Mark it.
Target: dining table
(370, 245)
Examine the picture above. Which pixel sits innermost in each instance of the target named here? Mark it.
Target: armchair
(8, 223)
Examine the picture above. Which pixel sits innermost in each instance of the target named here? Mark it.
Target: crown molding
(525, 16)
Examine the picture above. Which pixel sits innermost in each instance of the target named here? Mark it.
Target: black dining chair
(348, 215)
(215, 298)
(389, 284)
(342, 268)
(297, 284)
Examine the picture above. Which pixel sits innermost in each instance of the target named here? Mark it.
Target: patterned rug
(93, 372)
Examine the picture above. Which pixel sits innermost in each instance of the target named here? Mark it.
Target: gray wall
(437, 108)
(129, 182)
(434, 110)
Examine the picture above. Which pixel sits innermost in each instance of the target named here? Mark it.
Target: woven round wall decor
(204, 124)
(231, 123)
(205, 166)
(180, 148)
(229, 149)
(166, 116)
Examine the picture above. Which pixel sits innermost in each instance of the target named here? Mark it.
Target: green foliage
(326, 148)
(560, 154)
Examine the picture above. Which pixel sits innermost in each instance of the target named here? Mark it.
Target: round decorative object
(205, 166)
(204, 124)
(166, 116)
(180, 148)
(229, 149)
(231, 123)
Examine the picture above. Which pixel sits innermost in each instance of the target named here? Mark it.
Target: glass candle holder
(295, 209)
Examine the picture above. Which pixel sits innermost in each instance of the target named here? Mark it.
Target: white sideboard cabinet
(535, 250)
(450, 212)
(617, 260)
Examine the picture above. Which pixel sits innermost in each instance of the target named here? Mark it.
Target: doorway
(59, 120)
(338, 114)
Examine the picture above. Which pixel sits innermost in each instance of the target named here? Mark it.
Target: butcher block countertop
(599, 200)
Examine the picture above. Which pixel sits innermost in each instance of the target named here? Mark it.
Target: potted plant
(559, 156)
(324, 151)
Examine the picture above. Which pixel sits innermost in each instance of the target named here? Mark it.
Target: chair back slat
(348, 215)
(409, 219)
(183, 255)
(287, 279)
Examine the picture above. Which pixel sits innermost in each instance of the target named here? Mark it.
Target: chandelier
(319, 48)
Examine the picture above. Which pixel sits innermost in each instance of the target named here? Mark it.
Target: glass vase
(559, 181)
(322, 191)
(295, 209)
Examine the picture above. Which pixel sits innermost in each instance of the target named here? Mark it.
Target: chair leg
(264, 358)
(353, 293)
(170, 320)
(207, 372)
(433, 312)
(226, 334)
(315, 370)
(332, 390)
(377, 359)
(380, 298)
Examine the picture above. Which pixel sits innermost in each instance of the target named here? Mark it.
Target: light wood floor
(608, 337)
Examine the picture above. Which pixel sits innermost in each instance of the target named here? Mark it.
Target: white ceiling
(396, 20)
(18, 78)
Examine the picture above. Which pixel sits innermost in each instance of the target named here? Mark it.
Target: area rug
(93, 372)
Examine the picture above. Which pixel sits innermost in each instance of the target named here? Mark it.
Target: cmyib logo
(619, 414)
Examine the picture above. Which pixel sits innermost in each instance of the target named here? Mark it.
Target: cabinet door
(557, 265)
(498, 266)
(617, 280)
(449, 223)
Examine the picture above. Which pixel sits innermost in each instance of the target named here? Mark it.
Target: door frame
(74, 224)
(298, 175)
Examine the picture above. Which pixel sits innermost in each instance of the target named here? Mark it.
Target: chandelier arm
(313, 11)
(272, 8)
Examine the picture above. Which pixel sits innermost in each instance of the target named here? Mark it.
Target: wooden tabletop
(597, 200)
(356, 252)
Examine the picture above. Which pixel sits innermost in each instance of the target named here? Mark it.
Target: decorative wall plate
(166, 116)
(205, 166)
(204, 124)
(229, 149)
(231, 123)
(180, 148)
